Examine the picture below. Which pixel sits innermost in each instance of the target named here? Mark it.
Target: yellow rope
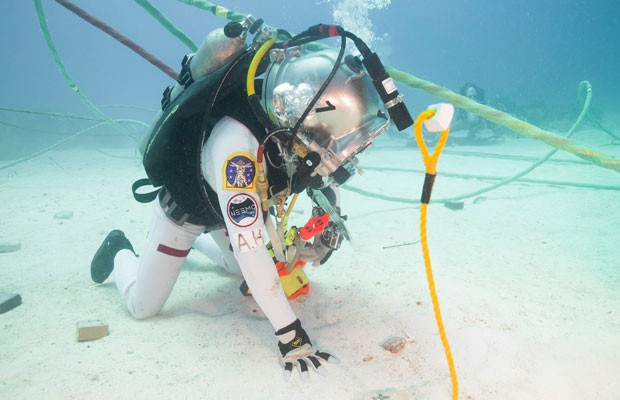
(433, 291)
(430, 161)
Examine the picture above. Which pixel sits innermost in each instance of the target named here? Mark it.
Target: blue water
(526, 51)
(542, 248)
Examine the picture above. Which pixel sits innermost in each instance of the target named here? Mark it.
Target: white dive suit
(229, 167)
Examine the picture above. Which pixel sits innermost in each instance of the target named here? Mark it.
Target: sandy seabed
(528, 278)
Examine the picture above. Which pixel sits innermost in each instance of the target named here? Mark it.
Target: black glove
(299, 352)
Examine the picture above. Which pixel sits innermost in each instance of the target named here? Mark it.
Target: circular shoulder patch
(242, 210)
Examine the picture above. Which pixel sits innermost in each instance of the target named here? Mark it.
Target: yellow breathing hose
(430, 162)
(260, 53)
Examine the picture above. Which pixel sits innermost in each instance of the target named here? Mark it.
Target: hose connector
(261, 180)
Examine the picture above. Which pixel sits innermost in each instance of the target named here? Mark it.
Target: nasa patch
(242, 210)
(239, 172)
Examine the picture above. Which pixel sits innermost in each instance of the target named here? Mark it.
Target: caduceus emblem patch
(239, 172)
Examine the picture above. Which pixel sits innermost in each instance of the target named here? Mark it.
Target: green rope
(487, 155)
(393, 199)
(496, 178)
(584, 111)
(216, 10)
(405, 200)
(511, 157)
(141, 108)
(520, 127)
(166, 23)
(538, 163)
(29, 129)
(65, 140)
(49, 114)
(514, 157)
(598, 124)
(507, 120)
(63, 70)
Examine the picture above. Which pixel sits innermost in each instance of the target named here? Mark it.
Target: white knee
(144, 307)
(144, 312)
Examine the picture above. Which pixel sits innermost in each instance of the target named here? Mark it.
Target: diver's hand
(299, 352)
(317, 253)
(323, 245)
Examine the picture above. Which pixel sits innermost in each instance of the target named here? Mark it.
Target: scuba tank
(210, 84)
(218, 48)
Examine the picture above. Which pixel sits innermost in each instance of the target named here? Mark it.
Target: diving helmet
(343, 121)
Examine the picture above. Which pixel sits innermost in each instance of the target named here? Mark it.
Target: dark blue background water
(531, 52)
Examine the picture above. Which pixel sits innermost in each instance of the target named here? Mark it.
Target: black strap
(185, 77)
(143, 197)
(166, 97)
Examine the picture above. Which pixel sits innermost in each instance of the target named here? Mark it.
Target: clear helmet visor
(343, 122)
